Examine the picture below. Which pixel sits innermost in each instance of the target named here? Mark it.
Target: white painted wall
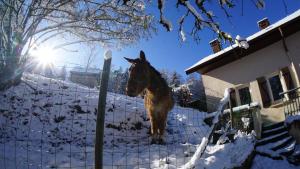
(258, 64)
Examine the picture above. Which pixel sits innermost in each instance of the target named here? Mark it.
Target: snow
(275, 25)
(195, 159)
(272, 137)
(246, 122)
(243, 107)
(268, 148)
(222, 104)
(182, 35)
(290, 119)
(227, 155)
(274, 129)
(54, 127)
(242, 42)
(107, 54)
(257, 34)
(262, 162)
(212, 56)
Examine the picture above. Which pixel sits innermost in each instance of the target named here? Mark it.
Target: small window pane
(245, 96)
(276, 87)
(233, 98)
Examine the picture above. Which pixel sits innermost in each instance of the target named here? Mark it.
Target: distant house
(260, 73)
(89, 78)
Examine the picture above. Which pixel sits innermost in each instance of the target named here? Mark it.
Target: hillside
(47, 123)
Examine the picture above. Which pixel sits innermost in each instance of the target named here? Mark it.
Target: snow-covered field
(48, 123)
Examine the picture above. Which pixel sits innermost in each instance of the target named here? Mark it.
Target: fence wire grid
(50, 123)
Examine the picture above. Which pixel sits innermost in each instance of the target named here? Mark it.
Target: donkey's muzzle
(130, 93)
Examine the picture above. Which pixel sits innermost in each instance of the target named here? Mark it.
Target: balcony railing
(291, 101)
(249, 113)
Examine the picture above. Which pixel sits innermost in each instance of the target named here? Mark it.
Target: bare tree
(90, 57)
(175, 79)
(202, 15)
(28, 23)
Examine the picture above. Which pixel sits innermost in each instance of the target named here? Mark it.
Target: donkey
(158, 98)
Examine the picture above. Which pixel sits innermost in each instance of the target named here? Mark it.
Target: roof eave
(288, 28)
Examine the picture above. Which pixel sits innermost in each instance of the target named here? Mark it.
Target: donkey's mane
(157, 73)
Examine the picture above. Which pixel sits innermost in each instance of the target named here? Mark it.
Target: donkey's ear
(142, 56)
(130, 60)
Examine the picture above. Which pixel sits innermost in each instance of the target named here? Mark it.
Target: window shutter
(263, 88)
(288, 81)
(287, 78)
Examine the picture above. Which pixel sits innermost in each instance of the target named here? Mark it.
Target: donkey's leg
(161, 128)
(154, 128)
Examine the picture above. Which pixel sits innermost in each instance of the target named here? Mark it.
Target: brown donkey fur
(158, 96)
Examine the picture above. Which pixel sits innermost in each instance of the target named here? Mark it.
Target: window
(276, 87)
(240, 95)
(245, 97)
(272, 85)
(233, 98)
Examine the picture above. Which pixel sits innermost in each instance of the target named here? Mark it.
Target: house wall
(87, 80)
(293, 44)
(247, 69)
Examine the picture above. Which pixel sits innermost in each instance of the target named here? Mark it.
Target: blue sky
(165, 51)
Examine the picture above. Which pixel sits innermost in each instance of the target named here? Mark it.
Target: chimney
(215, 45)
(262, 24)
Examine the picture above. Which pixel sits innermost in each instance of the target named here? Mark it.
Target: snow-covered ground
(48, 123)
(290, 119)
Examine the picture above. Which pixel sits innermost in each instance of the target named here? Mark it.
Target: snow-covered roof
(271, 27)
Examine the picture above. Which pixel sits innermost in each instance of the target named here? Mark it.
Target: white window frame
(237, 93)
(282, 82)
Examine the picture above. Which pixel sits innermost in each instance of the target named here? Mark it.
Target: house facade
(268, 67)
(89, 78)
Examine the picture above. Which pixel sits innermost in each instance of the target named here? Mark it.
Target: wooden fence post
(101, 111)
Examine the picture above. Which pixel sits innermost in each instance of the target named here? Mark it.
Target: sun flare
(44, 55)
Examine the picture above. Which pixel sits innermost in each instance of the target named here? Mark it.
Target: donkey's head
(138, 75)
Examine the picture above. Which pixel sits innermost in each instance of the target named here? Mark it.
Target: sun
(44, 55)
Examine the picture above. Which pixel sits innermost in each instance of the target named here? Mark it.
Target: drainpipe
(284, 44)
(289, 57)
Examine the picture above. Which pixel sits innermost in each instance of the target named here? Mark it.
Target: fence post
(231, 110)
(101, 111)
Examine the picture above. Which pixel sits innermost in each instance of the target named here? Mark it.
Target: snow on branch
(166, 23)
(202, 15)
(205, 140)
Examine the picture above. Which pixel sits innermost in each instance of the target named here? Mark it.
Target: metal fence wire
(51, 123)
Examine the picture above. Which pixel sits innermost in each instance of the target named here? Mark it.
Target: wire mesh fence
(47, 123)
(50, 123)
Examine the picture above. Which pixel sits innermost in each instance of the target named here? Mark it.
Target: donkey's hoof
(161, 142)
(153, 141)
